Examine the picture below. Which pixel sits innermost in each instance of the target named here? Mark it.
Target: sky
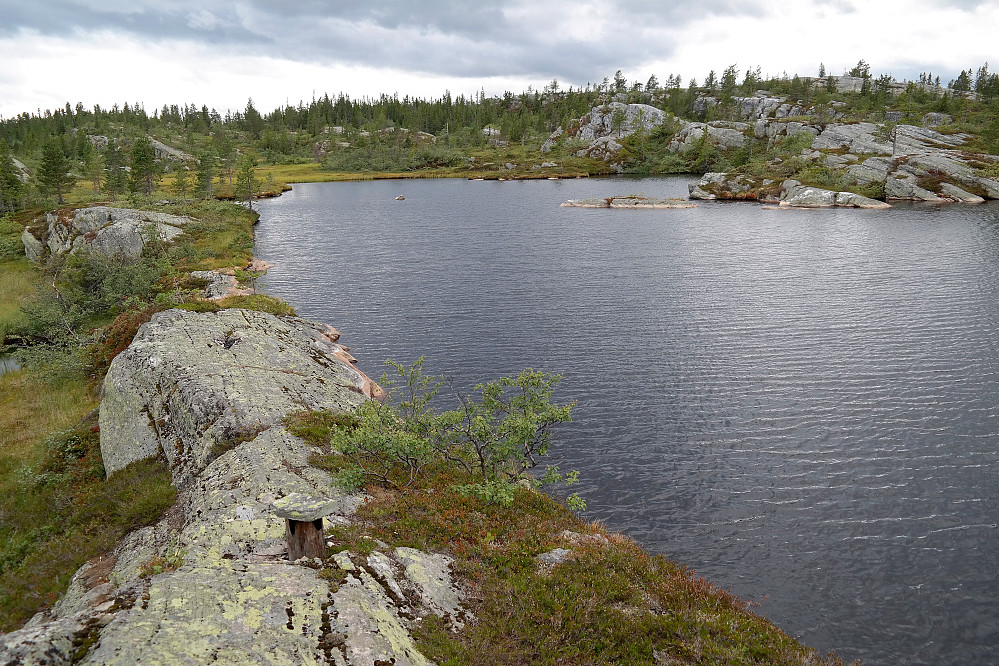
(220, 53)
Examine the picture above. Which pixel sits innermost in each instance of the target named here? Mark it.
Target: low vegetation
(608, 602)
(57, 510)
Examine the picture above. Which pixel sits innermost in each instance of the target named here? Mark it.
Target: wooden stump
(305, 538)
(303, 530)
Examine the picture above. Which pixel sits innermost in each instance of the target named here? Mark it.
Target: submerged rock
(628, 202)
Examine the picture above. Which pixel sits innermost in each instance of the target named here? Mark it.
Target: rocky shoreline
(898, 159)
(208, 391)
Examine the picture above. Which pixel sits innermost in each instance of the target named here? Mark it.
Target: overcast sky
(221, 52)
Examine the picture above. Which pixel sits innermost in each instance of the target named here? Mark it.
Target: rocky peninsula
(211, 582)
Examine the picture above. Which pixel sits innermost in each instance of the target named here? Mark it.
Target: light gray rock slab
(33, 248)
(957, 194)
(191, 384)
(430, 574)
(302, 507)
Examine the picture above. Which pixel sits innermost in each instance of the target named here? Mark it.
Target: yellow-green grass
(31, 407)
(56, 509)
(19, 282)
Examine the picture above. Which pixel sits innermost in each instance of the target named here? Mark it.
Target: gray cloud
(448, 37)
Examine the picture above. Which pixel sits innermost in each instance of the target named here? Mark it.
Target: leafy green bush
(494, 437)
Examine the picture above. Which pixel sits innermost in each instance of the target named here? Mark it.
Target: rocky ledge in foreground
(633, 201)
(212, 581)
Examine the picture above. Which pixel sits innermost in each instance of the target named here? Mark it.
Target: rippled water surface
(801, 405)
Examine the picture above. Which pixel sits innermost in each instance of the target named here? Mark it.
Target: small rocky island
(630, 201)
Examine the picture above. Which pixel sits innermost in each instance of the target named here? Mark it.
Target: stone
(797, 195)
(430, 573)
(33, 248)
(801, 196)
(856, 137)
(934, 119)
(300, 507)
(219, 285)
(957, 194)
(22, 171)
(192, 384)
(110, 231)
(723, 135)
(554, 557)
(232, 598)
(852, 200)
(628, 202)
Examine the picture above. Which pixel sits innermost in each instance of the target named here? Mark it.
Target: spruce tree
(114, 167)
(144, 169)
(53, 176)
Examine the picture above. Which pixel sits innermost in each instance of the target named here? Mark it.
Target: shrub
(494, 438)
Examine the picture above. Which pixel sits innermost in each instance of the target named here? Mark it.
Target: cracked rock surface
(193, 384)
(230, 594)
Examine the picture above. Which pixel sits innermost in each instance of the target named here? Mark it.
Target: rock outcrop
(905, 162)
(223, 589)
(192, 384)
(105, 230)
(602, 125)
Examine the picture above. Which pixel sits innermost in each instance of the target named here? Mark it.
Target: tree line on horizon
(111, 147)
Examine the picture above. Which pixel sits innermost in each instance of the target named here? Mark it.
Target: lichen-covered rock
(33, 248)
(109, 231)
(218, 285)
(193, 384)
(724, 135)
(232, 596)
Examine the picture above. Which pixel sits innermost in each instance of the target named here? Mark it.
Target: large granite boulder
(109, 231)
(617, 119)
(796, 195)
(193, 384)
(855, 137)
(224, 589)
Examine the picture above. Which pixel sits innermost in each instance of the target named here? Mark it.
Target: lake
(799, 404)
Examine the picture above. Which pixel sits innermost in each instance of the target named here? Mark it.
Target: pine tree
(53, 176)
(206, 171)
(181, 180)
(246, 182)
(94, 168)
(225, 150)
(145, 172)
(114, 167)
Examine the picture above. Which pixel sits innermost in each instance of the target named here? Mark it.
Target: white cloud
(205, 53)
(203, 20)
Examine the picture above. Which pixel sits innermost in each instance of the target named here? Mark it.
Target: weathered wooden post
(303, 517)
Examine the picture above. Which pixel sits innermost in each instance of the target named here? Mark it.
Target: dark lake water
(802, 405)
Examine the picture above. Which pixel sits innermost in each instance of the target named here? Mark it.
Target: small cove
(798, 404)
